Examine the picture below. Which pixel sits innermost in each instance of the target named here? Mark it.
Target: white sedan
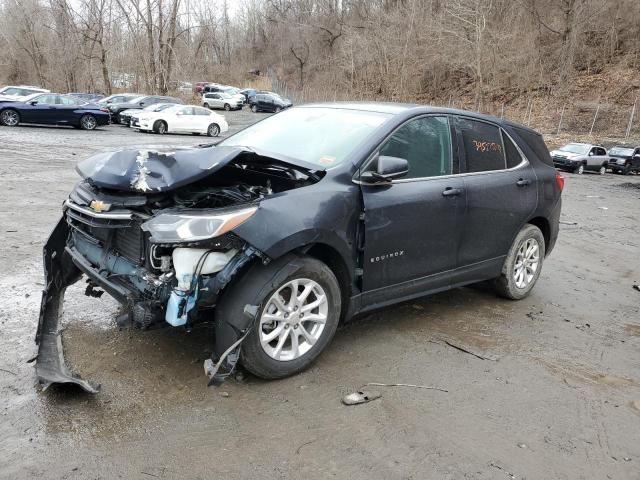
(181, 119)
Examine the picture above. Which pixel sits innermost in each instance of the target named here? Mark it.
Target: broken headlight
(192, 226)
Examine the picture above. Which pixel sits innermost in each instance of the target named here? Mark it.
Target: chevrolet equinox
(300, 221)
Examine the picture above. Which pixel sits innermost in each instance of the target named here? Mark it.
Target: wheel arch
(331, 257)
(543, 224)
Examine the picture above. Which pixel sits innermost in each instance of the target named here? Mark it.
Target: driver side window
(426, 144)
(46, 100)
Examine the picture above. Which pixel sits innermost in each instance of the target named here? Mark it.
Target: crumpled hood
(154, 170)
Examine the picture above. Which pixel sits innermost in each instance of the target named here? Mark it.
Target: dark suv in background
(624, 159)
(300, 221)
(137, 103)
(268, 102)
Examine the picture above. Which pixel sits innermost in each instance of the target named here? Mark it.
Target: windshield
(575, 148)
(322, 136)
(622, 151)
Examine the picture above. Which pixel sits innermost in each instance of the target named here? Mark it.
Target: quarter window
(426, 144)
(511, 152)
(482, 145)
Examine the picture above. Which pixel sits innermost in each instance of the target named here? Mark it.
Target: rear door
(183, 121)
(501, 194)
(67, 108)
(412, 224)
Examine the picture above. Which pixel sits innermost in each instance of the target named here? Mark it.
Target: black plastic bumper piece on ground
(59, 272)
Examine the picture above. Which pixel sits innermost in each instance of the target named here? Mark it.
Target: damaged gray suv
(299, 222)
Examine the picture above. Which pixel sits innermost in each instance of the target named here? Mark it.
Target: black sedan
(53, 109)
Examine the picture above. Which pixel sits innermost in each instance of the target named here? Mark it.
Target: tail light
(560, 181)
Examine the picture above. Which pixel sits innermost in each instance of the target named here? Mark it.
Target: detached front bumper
(60, 271)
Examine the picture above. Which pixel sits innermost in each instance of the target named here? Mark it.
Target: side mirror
(591, 154)
(387, 169)
(109, 101)
(34, 102)
(142, 104)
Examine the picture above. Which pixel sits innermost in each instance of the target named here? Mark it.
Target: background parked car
(624, 159)
(221, 100)
(268, 102)
(578, 157)
(198, 87)
(248, 93)
(183, 119)
(16, 94)
(87, 97)
(138, 104)
(128, 116)
(53, 109)
(117, 98)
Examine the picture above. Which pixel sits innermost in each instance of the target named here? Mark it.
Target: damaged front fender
(60, 272)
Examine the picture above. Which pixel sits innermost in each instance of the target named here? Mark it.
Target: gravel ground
(554, 392)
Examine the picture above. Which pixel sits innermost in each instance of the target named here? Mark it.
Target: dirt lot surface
(553, 393)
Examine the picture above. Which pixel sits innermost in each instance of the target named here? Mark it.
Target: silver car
(221, 100)
(578, 157)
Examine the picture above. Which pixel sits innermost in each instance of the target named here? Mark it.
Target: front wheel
(278, 109)
(254, 108)
(521, 268)
(579, 170)
(88, 122)
(300, 310)
(626, 170)
(213, 130)
(227, 107)
(10, 118)
(160, 127)
(602, 170)
(206, 105)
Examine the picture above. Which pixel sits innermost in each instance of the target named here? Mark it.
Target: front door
(412, 224)
(183, 120)
(501, 190)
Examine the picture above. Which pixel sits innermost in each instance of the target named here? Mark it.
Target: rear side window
(511, 152)
(483, 146)
(535, 142)
(425, 143)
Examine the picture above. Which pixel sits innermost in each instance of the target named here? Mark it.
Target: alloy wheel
(89, 122)
(213, 130)
(527, 262)
(603, 170)
(10, 118)
(580, 169)
(293, 319)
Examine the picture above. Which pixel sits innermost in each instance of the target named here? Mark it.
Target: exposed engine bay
(157, 236)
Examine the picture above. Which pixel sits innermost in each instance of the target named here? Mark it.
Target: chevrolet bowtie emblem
(99, 206)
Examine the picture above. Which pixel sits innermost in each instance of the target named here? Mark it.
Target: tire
(10, 117)
(579, 170)
(602, 170)
(626, 170)
(88, 122)
(206, 105)
(507, 284)
(213, 130)
(160, 127)
(254, 108)
(259, 286)
(227, 107)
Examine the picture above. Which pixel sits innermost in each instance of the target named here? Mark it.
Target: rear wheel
(206, 105)
(300, 300)
(10, 118)
(88, 122)
(160, 127)
(254, 108)
(521, 268)
(213, 130)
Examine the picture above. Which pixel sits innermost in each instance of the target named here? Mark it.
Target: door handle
(523, 182)
(451, 192)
